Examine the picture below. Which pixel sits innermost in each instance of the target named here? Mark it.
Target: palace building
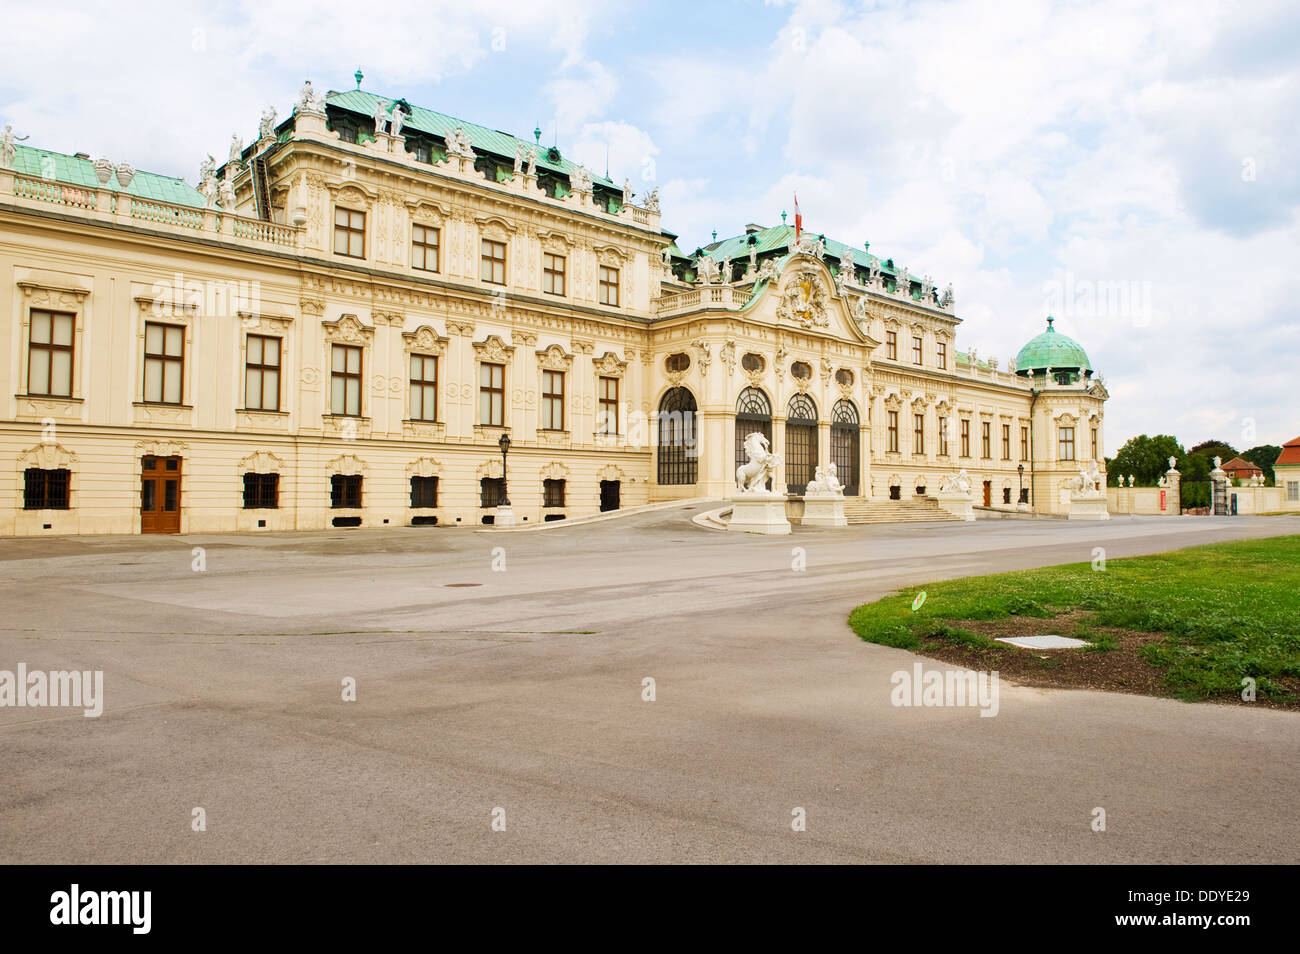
(359, 318)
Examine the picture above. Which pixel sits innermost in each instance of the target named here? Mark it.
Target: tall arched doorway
(800, 442)
(679, 456)
(845, 442)
(753, 414)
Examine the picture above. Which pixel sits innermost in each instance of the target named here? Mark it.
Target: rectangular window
(943, 437)
(261, 491)
(424, 248)
(608, 286)
(262, 374)
(1024, 443)
(1096, 448)
(424, 492)
(1065, 446)
(891, 345)
(46, 489)
(607, 413)
(892, 446)
(552, 400)
(986, 440)
(349, 233)
(345, 380)
(916, 349)
(345, 491)
(918, 433)
(164, 363)
(941, 355)
(491, 394)
(1006, 441)
(491, 491)
(1293, 490)
(49, 355)
(553, 274)
(965, 437)
(424, 387)
(552, 493)
(493, 266)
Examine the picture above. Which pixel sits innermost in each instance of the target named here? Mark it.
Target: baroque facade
(342, 322)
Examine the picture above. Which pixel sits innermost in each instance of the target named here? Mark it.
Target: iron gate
(800, 443)
(753, 415)
(845, 443)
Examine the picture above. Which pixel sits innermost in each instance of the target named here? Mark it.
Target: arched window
(800, 442)
(845, 438)
(678, 453)
(753, 415)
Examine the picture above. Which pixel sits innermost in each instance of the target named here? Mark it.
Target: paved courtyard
(223, 691)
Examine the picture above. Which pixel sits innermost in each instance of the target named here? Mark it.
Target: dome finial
(358, 76)
(1050, 319)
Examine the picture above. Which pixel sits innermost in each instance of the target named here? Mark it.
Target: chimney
(81, 155)
(751, 228)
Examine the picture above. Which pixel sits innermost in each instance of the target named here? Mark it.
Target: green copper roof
(499, 144)
(57, 167)
(1051, 349)
(780, 237)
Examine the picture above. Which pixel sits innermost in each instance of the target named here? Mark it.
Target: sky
(1131, 168)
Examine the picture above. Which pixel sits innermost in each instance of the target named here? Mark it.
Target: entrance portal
(160, 495)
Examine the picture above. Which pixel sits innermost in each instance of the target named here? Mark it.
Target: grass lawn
(1188, 623)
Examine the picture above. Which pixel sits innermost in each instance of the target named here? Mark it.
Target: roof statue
(266, 125)
(531, 167)
(580, 179)
(519, 158)
(309, 101)
(724, 270)
(846, 273)
(927, 288)
(903, 283)
(7, 148)
(208, 180)
(873, 271)
(381, 116)
(396, 120)
(667, 255)
(652, 200)
(706, 270)
(226, 190)
(947, 300)
(236, 148)
(627, 191)
(458, 144)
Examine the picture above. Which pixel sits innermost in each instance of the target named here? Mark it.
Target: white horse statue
(1088, 483)
(761, 467)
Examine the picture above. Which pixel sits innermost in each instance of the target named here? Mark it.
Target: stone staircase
(913, 510)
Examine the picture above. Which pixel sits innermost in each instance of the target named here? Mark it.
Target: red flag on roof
(798, 219)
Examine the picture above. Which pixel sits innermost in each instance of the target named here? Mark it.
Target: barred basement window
(552, 493)
(261, 491)
(46, 489)
(345, 491)
(424, 492)
(1006, 495)
(491, 492)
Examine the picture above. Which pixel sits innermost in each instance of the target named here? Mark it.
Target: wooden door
(988, 493)
(160, 495)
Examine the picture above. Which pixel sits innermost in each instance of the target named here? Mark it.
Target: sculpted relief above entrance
(804, 299)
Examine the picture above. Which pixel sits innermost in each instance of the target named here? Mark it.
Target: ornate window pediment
(553, 358)
(426, 341)
(352, 194)
(347, 330)
(424, 212)
(261, 462)
(259, 321)
(493, 349)
(555, 471)
(47, 457)
(423, 467)
(893, 402)
(608, 365)
(346, 464)
(494, 228)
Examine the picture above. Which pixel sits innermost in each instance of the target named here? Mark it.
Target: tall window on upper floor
(164, 363)
(492, 395)
(986, 440)
(891, 345)
(608, 286)
(349, 233)
(892, 445)
(262, 374)
(552, 274)
(1006, 441)
(965, 437)
(916, 349)
(918, 434)
(943, 437)
(1096, 447)
(493, 262)
(607, 411)
(1065, 443)
(941, 355)
(552, 400)
(49, 354)
(424, 387)
(1024, 443)
(345, 380)
(424, 248)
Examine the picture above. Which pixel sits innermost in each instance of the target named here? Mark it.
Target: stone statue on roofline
(667, 257)
(266, 126)
(927, 288)
(531, 167)
(519, 158)
(236, 149)
(7, 148)
(724, 270)
(627, 191)
(580, 179)
(706, 270)
(396, 120)
(227, 190)
(309, 101)
(652, 200)
(208, 180)
(873, 271)
(903, 283)
(947, 299)
(380, 116)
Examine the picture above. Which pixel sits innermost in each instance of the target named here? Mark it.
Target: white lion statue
(761, 466)
(958, 483)
(826, 481)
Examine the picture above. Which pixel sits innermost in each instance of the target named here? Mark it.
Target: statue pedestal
(958, 504)
(504, 517)
(824, 510)
(759, 511)
(306, 121)
(1088, 507)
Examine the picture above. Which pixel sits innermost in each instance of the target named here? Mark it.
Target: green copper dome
(1052, 350)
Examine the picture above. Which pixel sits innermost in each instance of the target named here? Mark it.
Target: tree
(1214, 448)
(1263, 457)
(1146, 458)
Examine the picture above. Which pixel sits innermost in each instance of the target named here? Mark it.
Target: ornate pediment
(261, 462)
(554, 359)
(493, 349)
(804, 299)
(609, 365)
(346, 464)
(425, 340)
(347, 330)
(48, 456)
(423, 467)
